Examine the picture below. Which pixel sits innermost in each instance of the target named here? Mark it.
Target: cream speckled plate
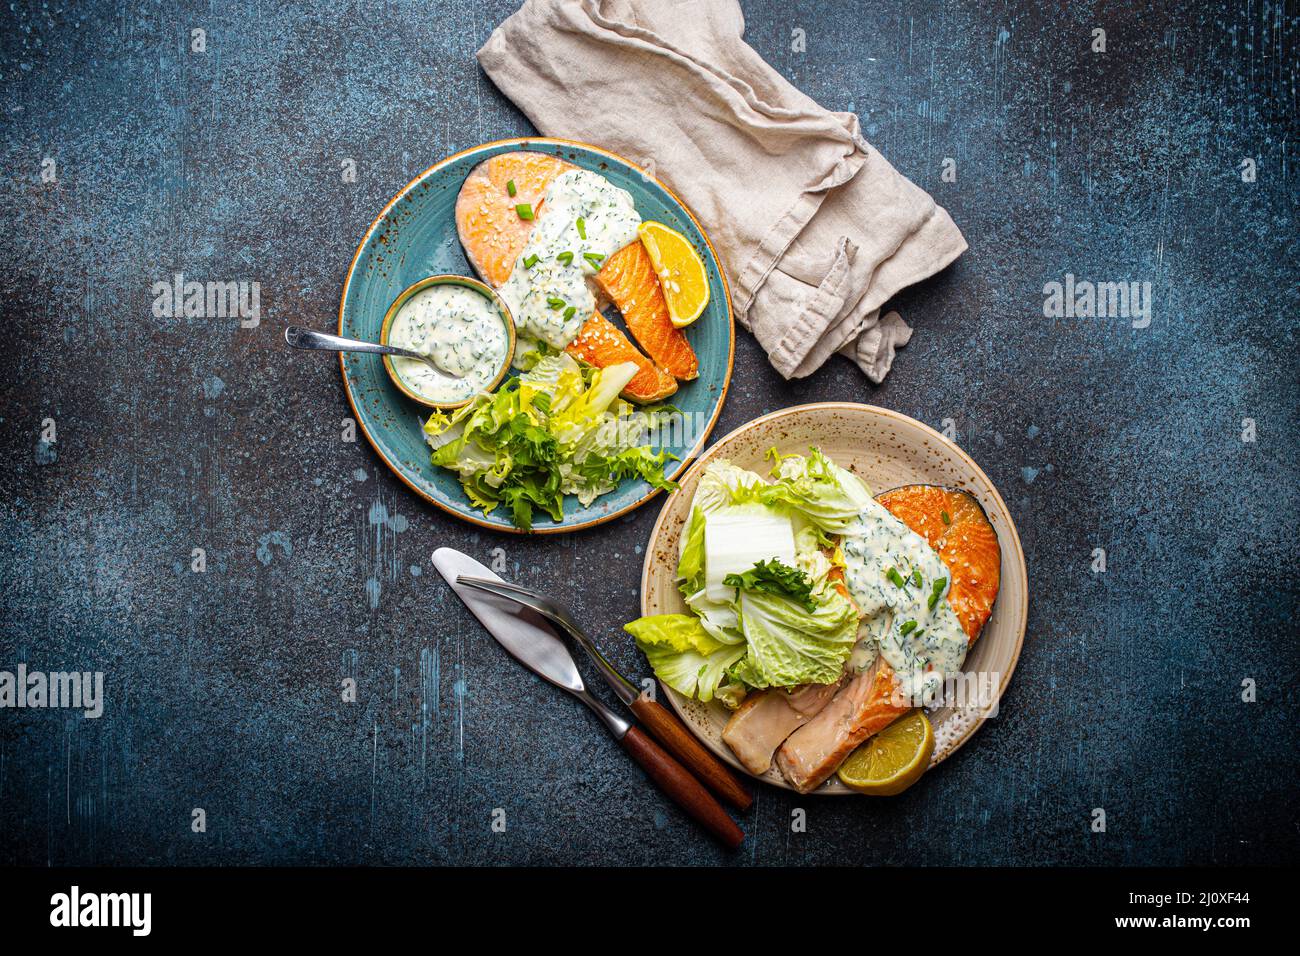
(886, 450)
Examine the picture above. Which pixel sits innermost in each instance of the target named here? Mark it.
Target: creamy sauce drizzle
(934, 646)
(547, 292)
(461, 329)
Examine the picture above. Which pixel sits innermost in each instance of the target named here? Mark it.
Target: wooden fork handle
(683, 745)
(676, 781)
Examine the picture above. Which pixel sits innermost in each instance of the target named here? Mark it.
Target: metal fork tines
(668, 729)
(557, 615)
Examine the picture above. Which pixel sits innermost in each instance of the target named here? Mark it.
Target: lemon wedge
(892, 760)
(682, 276)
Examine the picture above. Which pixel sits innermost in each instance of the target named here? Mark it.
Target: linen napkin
(815, 229)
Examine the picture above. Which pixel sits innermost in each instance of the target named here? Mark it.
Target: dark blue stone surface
(223, 688)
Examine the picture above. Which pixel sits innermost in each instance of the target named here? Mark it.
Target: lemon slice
(682, 276)
(893, 759)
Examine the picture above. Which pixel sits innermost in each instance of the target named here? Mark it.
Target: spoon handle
(301, 338)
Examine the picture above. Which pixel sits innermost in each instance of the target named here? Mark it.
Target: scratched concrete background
(223, 688)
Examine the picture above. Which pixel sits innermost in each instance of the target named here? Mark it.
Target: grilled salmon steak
(954, 524)
(494, 233)
(601, 344)
(629, 279)
(487, 221)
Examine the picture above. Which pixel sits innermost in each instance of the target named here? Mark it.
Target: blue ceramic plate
(415, 236)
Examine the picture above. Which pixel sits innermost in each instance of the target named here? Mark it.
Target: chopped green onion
(907, 627)
(510, 187)
(947, 518)
(525, 210)
(916, 578)
(530, 262)
(593, 258)
(937, 592)
(565, 257)
(554, 303)
(582, 228)
(569, 312)
(895, 577)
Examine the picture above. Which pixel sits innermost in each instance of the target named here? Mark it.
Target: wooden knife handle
(676, 781)
(681, 743)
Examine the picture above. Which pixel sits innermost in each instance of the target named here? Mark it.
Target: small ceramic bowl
(468, 283)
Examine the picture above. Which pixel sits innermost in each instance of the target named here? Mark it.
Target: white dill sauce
(462, 330)
(906, 615)
(583, 220)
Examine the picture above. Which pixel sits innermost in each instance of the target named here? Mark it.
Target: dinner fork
(670, 731)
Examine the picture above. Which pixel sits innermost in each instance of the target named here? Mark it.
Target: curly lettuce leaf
(784, 622)
(817, 489)
(731, 693)
(773, 577)
(718, 617)
(690, 563)
(558, 429)
(810, 556)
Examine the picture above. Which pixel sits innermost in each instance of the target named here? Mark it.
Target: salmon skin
(629, 279)
(601, 344)
(487, 222)
(954, 524)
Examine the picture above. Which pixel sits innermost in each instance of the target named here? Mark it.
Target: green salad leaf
(784, 623)
(714, 492)
(788, 645)
(683, 654)
(558, 429)
(690, 563)
(818, 489)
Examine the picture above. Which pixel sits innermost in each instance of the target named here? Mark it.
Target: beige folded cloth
(814, 228)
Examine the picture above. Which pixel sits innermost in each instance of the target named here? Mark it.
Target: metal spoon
(301, 338)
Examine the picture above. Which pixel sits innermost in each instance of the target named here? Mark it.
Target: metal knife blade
(523, 633)
(530, 640)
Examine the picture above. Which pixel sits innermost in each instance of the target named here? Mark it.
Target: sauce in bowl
(460, 324)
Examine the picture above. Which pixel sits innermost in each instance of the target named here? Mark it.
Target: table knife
(665, 727)
(529, 639)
